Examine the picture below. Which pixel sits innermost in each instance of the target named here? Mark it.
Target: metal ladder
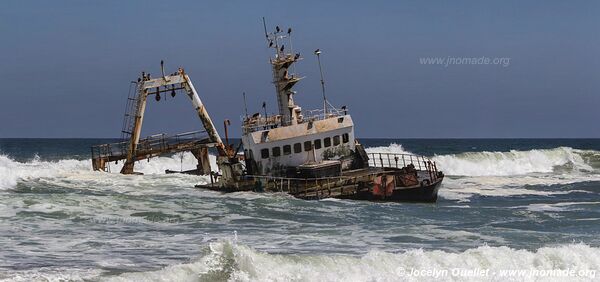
(131, 108)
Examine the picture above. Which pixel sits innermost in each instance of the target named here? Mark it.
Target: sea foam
(12, 171)
(476, 169)
(513, 162)
(230, 261)
(497, 163)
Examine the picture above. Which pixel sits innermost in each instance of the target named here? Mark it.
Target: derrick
(133, 149)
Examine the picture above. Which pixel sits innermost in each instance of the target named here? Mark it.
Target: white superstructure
(275, 144)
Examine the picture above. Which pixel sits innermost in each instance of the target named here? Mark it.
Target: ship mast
(283, 80)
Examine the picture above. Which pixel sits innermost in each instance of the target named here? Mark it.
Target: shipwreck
(310, 154)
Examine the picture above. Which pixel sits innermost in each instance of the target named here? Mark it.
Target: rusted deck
(358, 185)
(150, 147)
(390, 177)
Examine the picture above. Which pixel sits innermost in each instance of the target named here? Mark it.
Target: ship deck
(355, 184)
(149, 147)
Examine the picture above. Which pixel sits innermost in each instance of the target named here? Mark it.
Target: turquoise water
(505, 204)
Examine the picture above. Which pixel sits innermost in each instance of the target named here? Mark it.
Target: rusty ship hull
(388, 184)
(350, 191)
(423, 194)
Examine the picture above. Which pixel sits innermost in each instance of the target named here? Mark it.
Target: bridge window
(287, 149)
(336, 140)
(345, 138)
(297, 148)
(264, 153)
(318, 144)
(276, 151)
(327, 142)
(307, 146)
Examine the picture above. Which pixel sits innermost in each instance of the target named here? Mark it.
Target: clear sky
(65, 66)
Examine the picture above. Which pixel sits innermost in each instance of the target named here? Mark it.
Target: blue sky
(66, 65)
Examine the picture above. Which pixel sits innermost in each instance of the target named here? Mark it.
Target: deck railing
(396, 160)
(320, 114)
(156, 142)
(273, 121)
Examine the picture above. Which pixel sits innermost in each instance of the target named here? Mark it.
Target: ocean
(508, 210)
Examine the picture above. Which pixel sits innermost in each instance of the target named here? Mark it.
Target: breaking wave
(227, 261)
(561, 159)
(515, 162)
(12, 171)
(392, 148)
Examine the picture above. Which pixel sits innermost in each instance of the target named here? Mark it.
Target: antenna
(265, 26)
(289, 34)
(272, 38)
(245, 105)
(264, 105)
(318, 53)
(162, 69)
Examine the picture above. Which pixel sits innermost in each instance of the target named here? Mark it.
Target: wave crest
(513, 162)
(486, 163)
(392, 148)
(12, 171)
(229, 261)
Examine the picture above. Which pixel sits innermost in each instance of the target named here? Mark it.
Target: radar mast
(284, 80)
